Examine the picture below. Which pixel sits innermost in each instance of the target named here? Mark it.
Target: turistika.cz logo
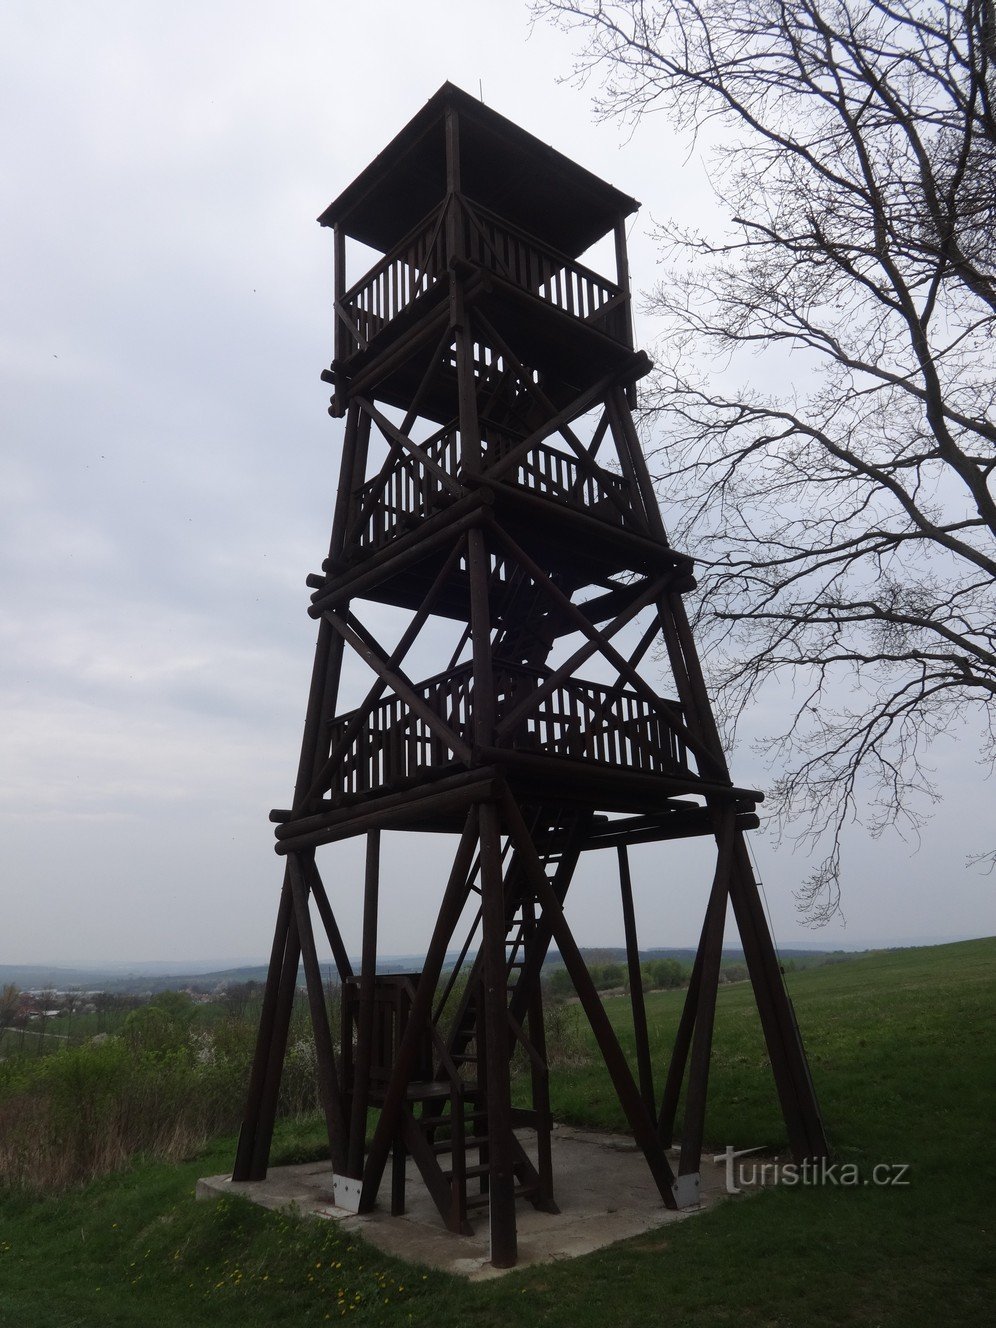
(814, 1171)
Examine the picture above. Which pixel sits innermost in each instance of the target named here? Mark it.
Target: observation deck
(463, 193)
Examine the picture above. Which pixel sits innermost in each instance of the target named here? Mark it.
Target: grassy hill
(903, 1060)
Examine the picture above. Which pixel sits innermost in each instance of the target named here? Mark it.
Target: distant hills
(139, 978)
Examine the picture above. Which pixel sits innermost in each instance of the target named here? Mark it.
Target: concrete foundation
(601, 1183)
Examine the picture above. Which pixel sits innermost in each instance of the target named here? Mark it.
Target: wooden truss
(492, 482)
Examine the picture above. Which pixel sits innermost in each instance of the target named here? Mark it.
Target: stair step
(520, 1192)
(472, 1173)
(470, 1141)
(434, 1122)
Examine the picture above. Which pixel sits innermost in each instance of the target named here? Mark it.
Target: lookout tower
(494, 494)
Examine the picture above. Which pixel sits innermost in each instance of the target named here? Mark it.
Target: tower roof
(502, 167)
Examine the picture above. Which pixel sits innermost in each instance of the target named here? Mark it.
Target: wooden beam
(600, 639)
(640, 1033)
(373, 656)
(332, 932)
(693, 1124)
(401, 554)
(495, 1018)
(320, 782)
(402, 441)
(364, 1021)
(328, 1078)
(253, 1151)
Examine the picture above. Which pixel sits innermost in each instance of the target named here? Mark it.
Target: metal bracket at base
(346, 1192)
(686, 1190)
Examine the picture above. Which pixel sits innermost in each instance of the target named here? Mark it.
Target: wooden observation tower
(493, 492)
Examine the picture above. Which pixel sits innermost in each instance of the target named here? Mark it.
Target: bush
(162, 1088)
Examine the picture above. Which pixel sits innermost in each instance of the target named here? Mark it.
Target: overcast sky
(168, 469)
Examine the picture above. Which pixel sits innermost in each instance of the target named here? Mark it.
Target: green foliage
(162, 1026)
(662, 974)
(162, 1087)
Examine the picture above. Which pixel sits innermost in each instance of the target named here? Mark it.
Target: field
(902, 1056)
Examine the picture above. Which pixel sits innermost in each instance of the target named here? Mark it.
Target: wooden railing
(391, 504)
(416, 265)
(579, 720)
(395, 743)
(401, 276)
(561, 477)
(556, 279)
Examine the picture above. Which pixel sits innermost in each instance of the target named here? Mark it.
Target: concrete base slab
(601, 1184)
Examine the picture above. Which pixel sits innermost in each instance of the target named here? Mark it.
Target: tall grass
(161, 1088)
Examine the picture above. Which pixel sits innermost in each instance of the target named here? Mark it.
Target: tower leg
(255, 1136)
(693, 1125)
(790, 1067)
(640, 1033)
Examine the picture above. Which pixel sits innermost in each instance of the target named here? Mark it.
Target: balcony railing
(415, 266)
(578, 720)
(393, 502)
(556, 279)
(397, 281)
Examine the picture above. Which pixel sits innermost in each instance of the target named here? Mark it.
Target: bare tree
(846, 519)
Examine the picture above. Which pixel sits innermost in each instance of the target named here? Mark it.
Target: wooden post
(364, 1022)
(637, 1003)
(640, 1119)
(271, 1040)
(712, 957)
(493, 932)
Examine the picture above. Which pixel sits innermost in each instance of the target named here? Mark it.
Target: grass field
(902, 1055)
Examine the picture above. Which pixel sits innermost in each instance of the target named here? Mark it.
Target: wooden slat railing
(555, 278)
(408, 271)
(415, 265)
(408, 493)
(580, 720)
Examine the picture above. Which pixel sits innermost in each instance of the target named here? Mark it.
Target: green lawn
(903, 1060)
